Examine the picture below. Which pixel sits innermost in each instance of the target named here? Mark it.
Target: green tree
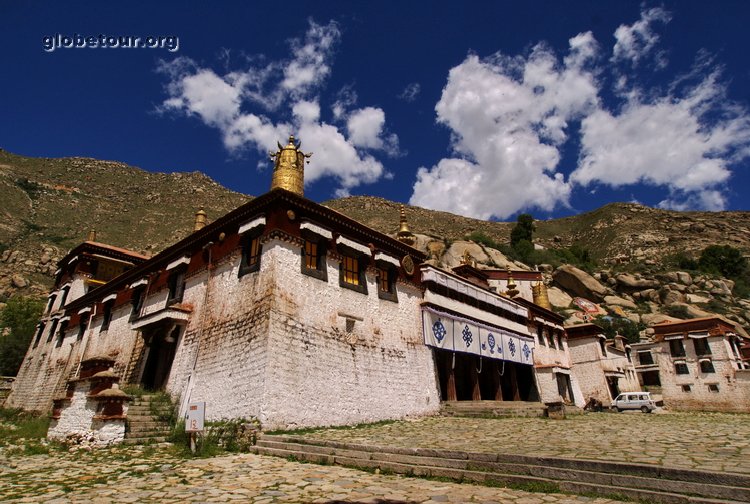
(723, 259)
(523, 230)
(17, 326)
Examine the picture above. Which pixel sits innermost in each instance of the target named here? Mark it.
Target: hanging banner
(438, 331)
(491, 343)
(466, 338)
(449, 332)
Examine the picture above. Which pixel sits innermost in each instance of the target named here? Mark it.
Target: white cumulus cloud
(258, 106)
(508, 117)
(637, 41)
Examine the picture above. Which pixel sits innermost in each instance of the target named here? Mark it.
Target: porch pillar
(451, 386)
(476, 393)
(514, 383)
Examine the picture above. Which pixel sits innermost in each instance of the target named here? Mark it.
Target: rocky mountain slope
(48, 206)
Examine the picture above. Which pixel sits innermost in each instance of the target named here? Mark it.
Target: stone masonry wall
(320, 374)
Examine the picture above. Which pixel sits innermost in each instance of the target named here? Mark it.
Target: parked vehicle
(634, 401)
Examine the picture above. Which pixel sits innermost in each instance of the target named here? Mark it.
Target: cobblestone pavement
(154, 474)
(706, 441)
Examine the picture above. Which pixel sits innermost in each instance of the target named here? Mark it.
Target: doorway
(161, 354)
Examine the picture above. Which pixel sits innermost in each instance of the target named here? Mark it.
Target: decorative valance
(449, 332)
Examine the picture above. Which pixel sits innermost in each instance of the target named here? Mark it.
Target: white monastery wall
(318, 374)
(588, 370)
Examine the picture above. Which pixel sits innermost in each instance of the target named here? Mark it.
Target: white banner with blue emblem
(466, 337)
(450, 332)
(438, 331)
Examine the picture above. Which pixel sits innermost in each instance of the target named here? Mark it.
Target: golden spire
(466, 257)
(539, 293)
(92, 235)
(200, 219)
(511, 285)
(404, 235)
(289, 167)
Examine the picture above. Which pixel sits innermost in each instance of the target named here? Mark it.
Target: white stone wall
(733, 393)
(588, 369)
(76, 416)
(318, 374)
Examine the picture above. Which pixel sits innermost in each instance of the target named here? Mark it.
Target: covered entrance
(466, 377)
(161, 332)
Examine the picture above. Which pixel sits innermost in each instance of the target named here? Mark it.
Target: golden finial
(466, 257)
(404, 235)
(511, 285)
(289, 167)
(92, 235)
(200, 219)
(540, 297)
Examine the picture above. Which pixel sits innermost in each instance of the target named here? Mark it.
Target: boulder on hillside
(579, 282)
(18, 281)
(456, 251)
(558, 298)
(684, 278)
(630, 282)
(651, 319)
(618, 301)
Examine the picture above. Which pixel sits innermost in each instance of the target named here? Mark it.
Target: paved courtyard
(705, 441)
(157, 474)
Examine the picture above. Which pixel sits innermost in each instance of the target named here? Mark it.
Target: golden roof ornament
(540, 296)
(289, 167)
(200, 219)
(511, 292)
(466, 257)
(92, 235)
(404, 235)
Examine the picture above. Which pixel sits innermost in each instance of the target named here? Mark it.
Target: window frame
(641, 353)
(392, 275)
(83, 325)
(678, 366)
(361, 262)
(705, 347)
(136, 302)
(39, 332)
(320, 271)
(61, 333)
(707, 367)
(247, 241)
(53, 329)
(106, 315)
(676, 352)
(176, 285)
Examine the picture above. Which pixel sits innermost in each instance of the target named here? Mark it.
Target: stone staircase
(490, 409)
(615, 480)
(142, 426)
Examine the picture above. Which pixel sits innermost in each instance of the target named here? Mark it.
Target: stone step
(144, 440)
(635, 481)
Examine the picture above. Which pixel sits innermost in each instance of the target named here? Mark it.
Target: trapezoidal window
(681, 368)
(707, 366)
(38, 336)
(136, 302)
(676, 348)
(645, 358)
(387, 282)
(701, 346)
(314, 258)
(61, 334)
(176, 283)
(106, 316)
(52, 330)
(82, 326)
(251, 250)
(351, 273)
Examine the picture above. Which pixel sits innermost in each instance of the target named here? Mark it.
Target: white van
(634, 401)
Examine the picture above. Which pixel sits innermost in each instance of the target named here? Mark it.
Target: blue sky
(485, 109)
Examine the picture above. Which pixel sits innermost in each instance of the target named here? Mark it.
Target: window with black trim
(707, 366)
(38, 337)
(106, 315)
(681, 368)
(713, 387)
(676, 348)
(61, 333)
(387, 282)
(251, 250)
(701, 346)
(136, 301)
(628, 354)
(64, 296)
(559, 339)
(551, 336)
(352, 273)
(176, 283)
(52, 330)
(82, 326)
(686, 388)
(540, 335)
(314, 258)
(645, 358)
(50, 303)
(603, 346)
